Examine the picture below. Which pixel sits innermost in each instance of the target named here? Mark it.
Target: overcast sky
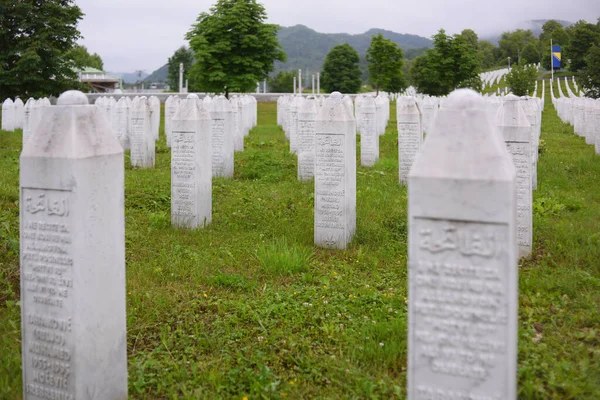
(142, 34)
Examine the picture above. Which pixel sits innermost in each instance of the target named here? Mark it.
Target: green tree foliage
(513, 43)
(233, 46)
(449, 65)
(385, 60)
(82, 58)
(590, 76)
(521, 79)
(471, 38)
(531, 52)
(557, 37)
(583, 36)
(35, 40)
(548, 29)
(486, 54)
(182, 55)
(283, 82)
(341, 71)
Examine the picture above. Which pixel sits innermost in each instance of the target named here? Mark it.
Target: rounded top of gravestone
(510, 97)
(336, 95)
(7, 102)
(463, 99)
(72, 98)
(192, 96)
(18, 101)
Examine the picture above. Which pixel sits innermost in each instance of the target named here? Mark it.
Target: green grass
(249, 308)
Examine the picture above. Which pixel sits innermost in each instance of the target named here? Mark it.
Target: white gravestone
(222, 138)
(293, 124)
(8, 115)
(306, 139)
(516, 130)
(170, 108)
(73, 324)
(140, 134)
(19, 111)
(236, 125)
(154, 104)
(121, 122)
(367, 127)
(335, 174)
(27, 120)
(463, 273)
(410, 134)
(191, 166)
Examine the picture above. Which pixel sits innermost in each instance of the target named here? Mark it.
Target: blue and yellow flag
(556, 64)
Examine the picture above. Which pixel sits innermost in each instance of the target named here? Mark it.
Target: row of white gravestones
(12, 114)
(32, 114)
(462, 336)
(583, 114)
(462, 259)
(73, 324)
(299, 128)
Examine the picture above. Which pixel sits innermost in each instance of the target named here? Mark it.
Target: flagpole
(551, 61)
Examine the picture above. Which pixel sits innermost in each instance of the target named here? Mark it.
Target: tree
(558, 37)
(590, 76)
(234, 48)
(548, 29)
(35, 40)
(385, 60)
(283, 82)
(513, 43)
(182, 55)
(521, 79)
(486, 54)
(531, 52)
(449, 65)
(82, 58)
(583, 36)
(340, 70)
(471, 38)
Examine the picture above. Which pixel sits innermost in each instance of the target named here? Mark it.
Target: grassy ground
(249, 308)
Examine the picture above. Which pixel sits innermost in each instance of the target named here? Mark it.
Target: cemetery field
(249, 308)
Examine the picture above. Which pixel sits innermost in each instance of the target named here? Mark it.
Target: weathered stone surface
(140, 134)
(72, 238)
(154, 104)
(463, 294)
(307, 115)
(171, 105)
(335, 174)
(222, 138)
(191, 166)
(410, 134)
(8, 115)
(516, 130)
(367, 127)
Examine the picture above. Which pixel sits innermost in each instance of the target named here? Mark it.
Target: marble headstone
(72, 227)
(335, 175)
(141, 137)
(462, 257)
(191, 165)
(410, 134)
(222, 138)
(307, 115)
(367, 127)
(516, 130)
